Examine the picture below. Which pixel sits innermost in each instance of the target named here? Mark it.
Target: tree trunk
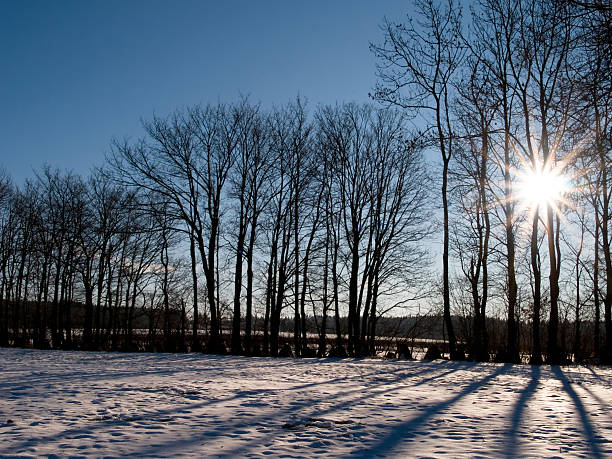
(536, 355)
(248, 327)
(236, 341)
(452, 342)
(195, 339)
(596, 324)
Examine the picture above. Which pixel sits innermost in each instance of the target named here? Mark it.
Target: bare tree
(416, 65)
(351, 149)
(186, 161)
(494, 29)
(542, 85)
(477, 110)
(594, 117)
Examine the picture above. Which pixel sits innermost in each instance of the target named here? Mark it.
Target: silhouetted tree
(416, 65)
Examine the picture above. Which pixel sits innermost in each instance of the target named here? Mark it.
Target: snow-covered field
(147, 405)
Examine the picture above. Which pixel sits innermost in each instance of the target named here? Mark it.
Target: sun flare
(542, 188)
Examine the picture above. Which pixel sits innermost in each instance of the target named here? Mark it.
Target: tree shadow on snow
(606, 382)
(98, 425)
(337, 403)
(587, 427)
(407, 430)
(603, 404)
(512, 446)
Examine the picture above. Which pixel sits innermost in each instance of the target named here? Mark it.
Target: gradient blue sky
(74, 74)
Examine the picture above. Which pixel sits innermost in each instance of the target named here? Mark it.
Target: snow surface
(147, 405)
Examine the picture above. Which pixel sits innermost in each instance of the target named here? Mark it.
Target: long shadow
(168, 366)
(97, 424)
(79, 377)
(599, 377)
(107, 374)
(342, 402)
(512, 449)
(605, 406)
(587, 427)
(340, 405)
(398, 433)
(61, 374)
(393, 386)
(400, 371)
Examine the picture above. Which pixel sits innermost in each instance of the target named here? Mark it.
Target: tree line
(220, 211)
(224, 219)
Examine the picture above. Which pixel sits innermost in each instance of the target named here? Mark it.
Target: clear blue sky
(74, 74)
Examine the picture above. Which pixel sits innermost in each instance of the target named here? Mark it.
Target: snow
(152, 405)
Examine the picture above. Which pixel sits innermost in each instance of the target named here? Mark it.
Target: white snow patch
(160, 405)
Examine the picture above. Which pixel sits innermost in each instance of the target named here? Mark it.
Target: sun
(542, 187)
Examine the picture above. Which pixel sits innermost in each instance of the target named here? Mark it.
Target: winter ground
(147, 405)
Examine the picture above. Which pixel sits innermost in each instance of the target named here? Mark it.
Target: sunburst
(541, 186)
